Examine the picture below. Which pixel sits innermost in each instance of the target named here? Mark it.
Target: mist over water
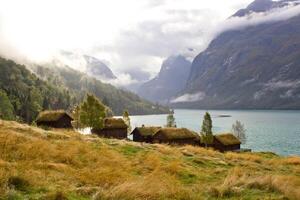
(274, 131)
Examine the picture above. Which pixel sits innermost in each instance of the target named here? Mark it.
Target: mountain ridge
(252, 68)
(98, 69)
(170, 80)
(79, 84)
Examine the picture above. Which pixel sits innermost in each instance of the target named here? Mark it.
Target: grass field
(60, 164)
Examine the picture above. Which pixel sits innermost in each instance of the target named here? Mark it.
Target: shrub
(18, 183)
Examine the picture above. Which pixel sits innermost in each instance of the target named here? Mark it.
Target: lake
(275, 131)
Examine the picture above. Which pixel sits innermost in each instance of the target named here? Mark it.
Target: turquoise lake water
(275, 131)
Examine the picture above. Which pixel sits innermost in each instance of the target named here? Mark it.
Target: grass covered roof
(227, 139)
(177, 133)
(51, 115)
(112, 123)
(147, 131)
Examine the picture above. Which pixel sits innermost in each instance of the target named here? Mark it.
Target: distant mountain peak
(170, 80)
(97, 69)
(259, 6)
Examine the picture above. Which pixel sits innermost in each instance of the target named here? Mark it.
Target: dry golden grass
(60, 164)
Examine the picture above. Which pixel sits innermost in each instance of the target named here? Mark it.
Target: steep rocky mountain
(255, 67)
(170, 80)
(259, 6)
(97, 69)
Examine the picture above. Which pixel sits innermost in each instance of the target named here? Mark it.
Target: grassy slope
(40, 164)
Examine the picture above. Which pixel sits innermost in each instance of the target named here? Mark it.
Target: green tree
(92, 112)
(238, 129)
(126, 119)
(32, 105)
(206, 130)
(6, 108)
(171, 120)
(76, 117)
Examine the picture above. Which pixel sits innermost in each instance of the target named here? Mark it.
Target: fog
(129, 36)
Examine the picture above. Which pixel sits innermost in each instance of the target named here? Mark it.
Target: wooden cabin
(177, 136)
(226, 142)
(144, 134)
(54, 119)
(112, 128)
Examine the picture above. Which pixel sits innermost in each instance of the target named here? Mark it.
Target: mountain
(25, 94)
(78, 84)
(97, 69)
(170, 80)
(251, 68)
(259, 6)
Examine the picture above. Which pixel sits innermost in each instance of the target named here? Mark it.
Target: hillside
(170, 80)
(79, 84)
(60, 164)
(25, 95)
(251, 68)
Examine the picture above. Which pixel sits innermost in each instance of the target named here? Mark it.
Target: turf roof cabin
(144, 134)
(178, 136)
(226, 142)
(112, 128)
(54, 119)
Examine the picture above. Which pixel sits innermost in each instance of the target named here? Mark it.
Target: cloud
(189, 97)
(129, 35)
(253, 19)
(289, 85)
(122, 80)
(274, 85)
(78, 61)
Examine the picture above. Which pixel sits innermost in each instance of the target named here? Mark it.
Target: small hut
(226, 142)
(144, 134)
(54, 119)
(178, 136)
(112, 128)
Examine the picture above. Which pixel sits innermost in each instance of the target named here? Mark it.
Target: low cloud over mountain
(252, 64)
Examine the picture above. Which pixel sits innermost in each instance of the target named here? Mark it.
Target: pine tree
(206, 130)
(126, 119)
(239, 131)
(6, 108)
(92, 112)
(171, 120)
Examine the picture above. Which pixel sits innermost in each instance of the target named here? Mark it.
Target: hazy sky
(130, 35)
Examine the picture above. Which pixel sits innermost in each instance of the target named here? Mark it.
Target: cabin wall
(111, 133)
(63, 122)
(137, 137)
(219, 146)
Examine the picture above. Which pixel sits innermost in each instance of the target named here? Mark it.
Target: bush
(18, 183)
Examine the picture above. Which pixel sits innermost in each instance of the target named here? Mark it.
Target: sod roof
(227, 139)
(176, 133)
(112, 123)
(52, 115)
(147, 131)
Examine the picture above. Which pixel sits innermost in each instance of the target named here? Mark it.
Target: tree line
(79, 84)
(23, 95)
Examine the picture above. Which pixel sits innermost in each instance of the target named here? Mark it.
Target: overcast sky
(130, 35)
